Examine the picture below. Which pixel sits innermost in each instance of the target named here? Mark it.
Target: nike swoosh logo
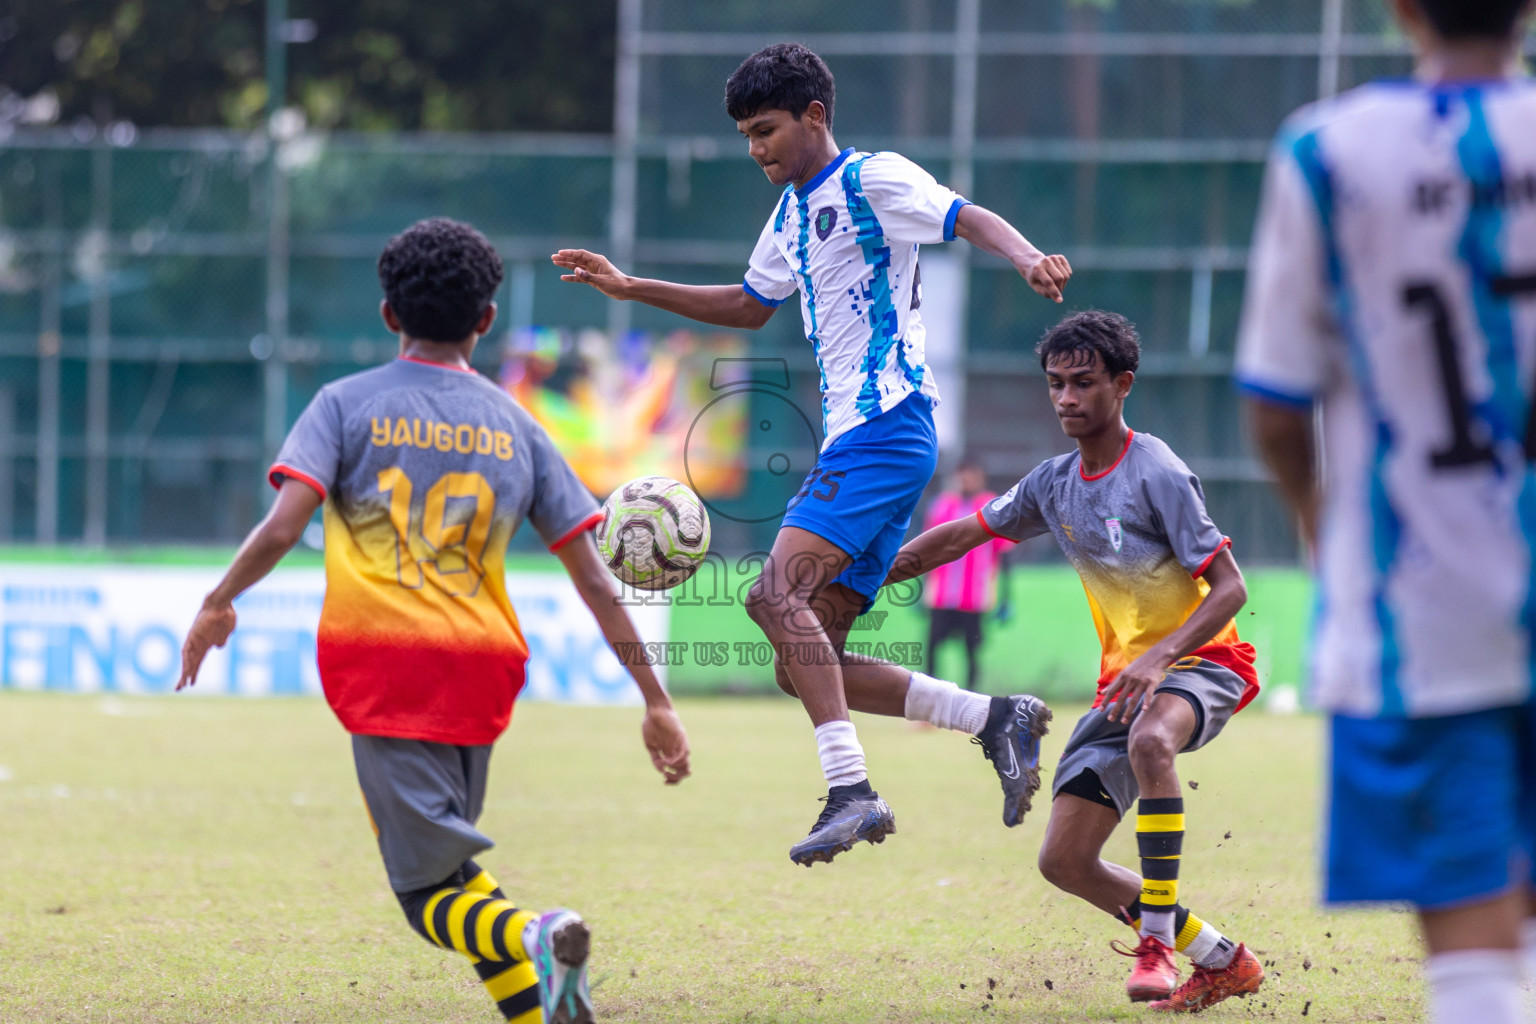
(1013, 764)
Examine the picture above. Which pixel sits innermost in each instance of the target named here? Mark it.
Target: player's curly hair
(439, 276)
(784, 76)
(1111, 335)
(1474, 19)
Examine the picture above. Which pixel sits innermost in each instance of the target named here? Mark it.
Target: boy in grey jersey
(426, 469)
(1162, 586)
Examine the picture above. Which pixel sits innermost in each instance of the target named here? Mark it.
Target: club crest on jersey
(1116, 535)
(826, 220)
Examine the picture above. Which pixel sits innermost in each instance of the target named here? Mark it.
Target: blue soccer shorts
(1433, 812)
(864, 489)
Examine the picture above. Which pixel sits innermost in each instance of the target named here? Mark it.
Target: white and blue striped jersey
(1393, 280)
(847, 240)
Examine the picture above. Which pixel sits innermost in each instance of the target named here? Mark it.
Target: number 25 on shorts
(829, 480)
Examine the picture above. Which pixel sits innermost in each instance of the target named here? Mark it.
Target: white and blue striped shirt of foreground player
(1394, 282)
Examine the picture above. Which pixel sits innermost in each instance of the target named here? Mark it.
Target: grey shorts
(1102, 747)
(424, 799)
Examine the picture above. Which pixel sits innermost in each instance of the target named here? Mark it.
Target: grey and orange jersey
(1140, 538)
(426, 472)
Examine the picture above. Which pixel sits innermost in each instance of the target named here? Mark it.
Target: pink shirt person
(969, 583)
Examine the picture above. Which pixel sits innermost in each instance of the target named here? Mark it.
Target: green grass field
(184, 859)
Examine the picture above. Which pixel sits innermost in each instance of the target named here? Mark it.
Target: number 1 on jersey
(456, 548)
(397, 485)
(1464, 449)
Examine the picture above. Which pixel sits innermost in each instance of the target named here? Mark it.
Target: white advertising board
(118, 629)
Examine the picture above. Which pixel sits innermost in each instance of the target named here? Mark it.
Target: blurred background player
(960, 593)
(1393, 283)
(1163, 586)
(426, 470)
(845, 234)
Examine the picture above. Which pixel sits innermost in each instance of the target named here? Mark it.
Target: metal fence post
(1330, 48)
(626, 131)
(98, 378)
(1201, 291)
(962, 176)
(8, 464)
(520, 296)
(274, 374)
(49, 343)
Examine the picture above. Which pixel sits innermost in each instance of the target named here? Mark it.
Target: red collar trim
(1129, 436)
(441, 366)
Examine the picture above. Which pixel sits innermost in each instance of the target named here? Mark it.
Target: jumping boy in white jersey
(845, 234)
(1393, 282)
(1163, 586)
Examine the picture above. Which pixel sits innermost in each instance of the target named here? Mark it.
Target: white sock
(1158, 924)
(945, 705)
(842, 759)
(1210, 948)
(1474, 986)
(1528, 948)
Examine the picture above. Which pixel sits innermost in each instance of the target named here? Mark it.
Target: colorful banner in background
(619, 408)
(110, 629)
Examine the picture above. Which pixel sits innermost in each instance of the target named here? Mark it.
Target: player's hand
(591, 268)
(666, 742)
(1048, 276)
(211, 628)
(1124, 696)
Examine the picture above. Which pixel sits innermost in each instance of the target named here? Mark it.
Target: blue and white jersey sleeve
(911, 205)
(770, 279)
(1288, 332)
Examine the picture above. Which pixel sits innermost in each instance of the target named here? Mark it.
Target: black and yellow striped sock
(1191, 935)
(477, 920)
(1159, 840)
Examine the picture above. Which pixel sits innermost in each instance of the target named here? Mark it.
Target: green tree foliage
(484, 65)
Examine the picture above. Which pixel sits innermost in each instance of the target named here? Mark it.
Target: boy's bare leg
(798, 569)
(1474, 959)
(782, 603)
(1008, 728)
(1070, 857)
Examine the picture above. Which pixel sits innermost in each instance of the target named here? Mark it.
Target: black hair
(1473, 19)
(969, 461)
(784, 76)
(439, 276)
(1110, 335)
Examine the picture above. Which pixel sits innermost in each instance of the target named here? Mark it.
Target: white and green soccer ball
(654, 532)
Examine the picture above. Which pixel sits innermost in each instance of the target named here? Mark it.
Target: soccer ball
(654, 533)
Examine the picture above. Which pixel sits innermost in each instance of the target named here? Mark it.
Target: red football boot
(1154, 975)
(1209, 985)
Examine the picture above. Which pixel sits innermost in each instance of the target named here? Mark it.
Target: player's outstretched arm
(1226, 598)
(662, 730)
(273, 538)
(938, 546)
(991, 233)
(725, 305)
(1284, 437)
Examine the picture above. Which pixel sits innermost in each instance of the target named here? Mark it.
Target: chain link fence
(169, 300)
